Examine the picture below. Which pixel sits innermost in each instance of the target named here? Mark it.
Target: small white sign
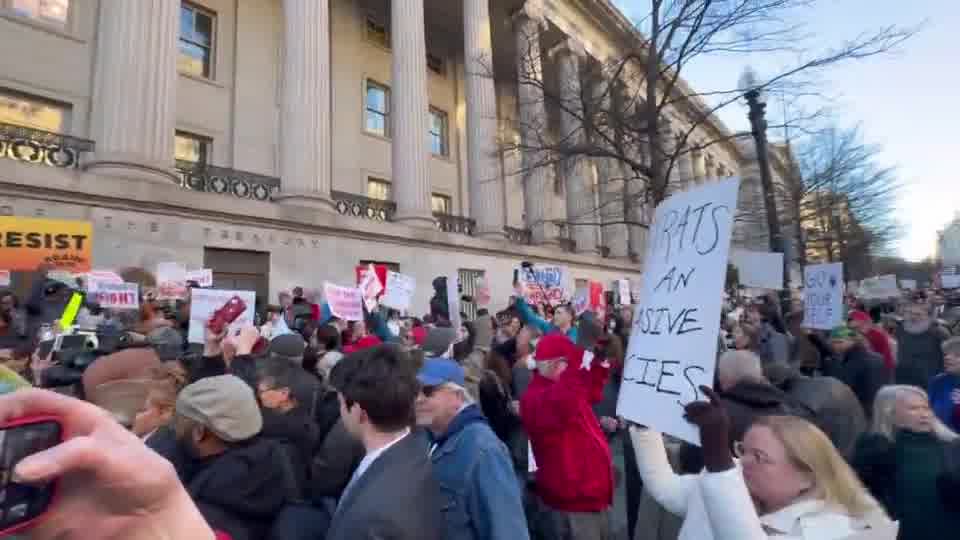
(204, 302)
(111, 295)
(880, 287)
(345, 302)
(908, 284)
(823, 296)
(203, 277)
(758, 268)
(370, 286)
(623, 286)
(171, 281)
(400, 289)
(4, 278)
(453, 301)
(673, 344)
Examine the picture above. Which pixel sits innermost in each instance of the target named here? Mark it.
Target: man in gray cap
(236, 478)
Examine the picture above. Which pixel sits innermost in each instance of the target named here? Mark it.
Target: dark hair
(282, 375)
(328, 337)
(382, 381)
(464, 348)
(496, 363)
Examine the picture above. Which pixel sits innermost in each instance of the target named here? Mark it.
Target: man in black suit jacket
(392, 494)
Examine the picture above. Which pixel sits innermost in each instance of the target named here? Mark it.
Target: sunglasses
(429, 390)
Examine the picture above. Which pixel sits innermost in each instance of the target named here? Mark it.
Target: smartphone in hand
(21, 505)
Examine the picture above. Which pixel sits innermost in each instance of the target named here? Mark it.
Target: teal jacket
(530, 318)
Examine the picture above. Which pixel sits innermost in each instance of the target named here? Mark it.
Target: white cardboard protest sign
(203, 277)
(950, 281)
(453, 301)
(370, 286)
(111, 295)
(909, 284)
(880, 287)
(344, 302)
(400, 288)
(4, 278)
(203, 302)
(623, 286)
(759, 268)
(823, 296)
(673, 344)
(545, 284)
(171, 281)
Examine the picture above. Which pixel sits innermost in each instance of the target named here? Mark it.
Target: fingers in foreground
(76, 416)
(74, 455)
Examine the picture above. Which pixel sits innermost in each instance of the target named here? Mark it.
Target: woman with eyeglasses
(789, 482)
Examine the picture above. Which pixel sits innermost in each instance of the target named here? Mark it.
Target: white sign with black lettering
(673, 344)
(823, 296)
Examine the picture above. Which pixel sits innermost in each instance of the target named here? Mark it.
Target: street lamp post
(758, 128)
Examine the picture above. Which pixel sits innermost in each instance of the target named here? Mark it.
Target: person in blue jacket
(562, 322)
(945, 388)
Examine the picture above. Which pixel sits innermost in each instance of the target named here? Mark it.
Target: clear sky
(905, 101)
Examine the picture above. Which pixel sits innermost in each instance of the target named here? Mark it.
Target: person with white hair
(470, 462)
(904, 462)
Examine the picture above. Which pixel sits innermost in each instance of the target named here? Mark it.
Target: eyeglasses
(429, 390)
(757, 456)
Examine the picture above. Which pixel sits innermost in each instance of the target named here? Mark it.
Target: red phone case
(227, 313)
(54, 487)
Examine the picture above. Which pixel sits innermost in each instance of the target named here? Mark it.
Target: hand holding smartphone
(21, 503)
(226, 315)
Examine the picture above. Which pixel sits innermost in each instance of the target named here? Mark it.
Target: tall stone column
(305, 124)
(134, 96)
(408, 110)
(612, 186)
(533, 122)
(699, 167)
(483, 165)
(581, 208)
(684, 166)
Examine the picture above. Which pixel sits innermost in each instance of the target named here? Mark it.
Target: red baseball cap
(553, 347)
(419, 334)
(859, 316)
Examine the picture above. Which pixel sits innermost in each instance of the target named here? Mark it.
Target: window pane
(186, 23)
(26, 8)
(440, 204)
(203, 31)
(193, 59)
(54, 10)
(376, 123)
(436, 145)
(376, 99)
(37, 114)
(191, 148)
(378, 189)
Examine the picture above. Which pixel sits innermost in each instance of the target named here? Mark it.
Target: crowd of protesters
(307, 426)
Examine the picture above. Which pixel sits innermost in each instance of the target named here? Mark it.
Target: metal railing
(519, 236)
(455, 224)
(224, 181)
(41, 147)
(348, 204)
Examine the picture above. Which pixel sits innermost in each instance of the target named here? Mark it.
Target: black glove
(714, 424)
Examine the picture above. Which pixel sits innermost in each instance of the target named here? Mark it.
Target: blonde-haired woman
(790, 483)
(903, 460)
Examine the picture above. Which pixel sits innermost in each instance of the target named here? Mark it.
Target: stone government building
(283, 142)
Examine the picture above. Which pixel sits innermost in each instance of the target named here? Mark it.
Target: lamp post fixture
(756, 104)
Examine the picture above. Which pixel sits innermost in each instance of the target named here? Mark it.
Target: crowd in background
(307, 426)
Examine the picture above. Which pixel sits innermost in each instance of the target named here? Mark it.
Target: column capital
(531, 10)
(567, 47)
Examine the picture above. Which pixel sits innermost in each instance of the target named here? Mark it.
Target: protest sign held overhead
(4, 278)
(623, 288)
(545, 284)
(28, 243)
(909, 284)
(673, 344)
(112, 295)
(344, 302)
(204, 302)
(400, 289)
(759, 269)
(203, 277)
(880, 287)
(823, 296)
(171, 281)
(453, 300)
(371, 287)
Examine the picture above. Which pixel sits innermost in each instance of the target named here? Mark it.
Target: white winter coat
(717, 506)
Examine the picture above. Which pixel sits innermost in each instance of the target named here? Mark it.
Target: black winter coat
(863, 371)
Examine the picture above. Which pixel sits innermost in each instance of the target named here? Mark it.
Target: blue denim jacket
(482, 499)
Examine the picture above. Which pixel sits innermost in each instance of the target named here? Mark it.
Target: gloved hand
(714, 424)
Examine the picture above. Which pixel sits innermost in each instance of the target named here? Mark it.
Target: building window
(436, 64)
(196, 41)
(378, 188)
(32, 112)
(376, 31)
(48, 11)
(469, 286)
(192, 148)
(438, 132)
(441, 204)
(378, 109)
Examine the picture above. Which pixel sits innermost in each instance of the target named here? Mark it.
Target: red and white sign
(344, 302)
(111, 295)
(371, 287)
(171, 281)
(203, 277)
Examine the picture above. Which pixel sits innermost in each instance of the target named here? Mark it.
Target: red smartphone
(22, 505)
(227, 313)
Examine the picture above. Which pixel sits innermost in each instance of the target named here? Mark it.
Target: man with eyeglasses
(471, 464)
(574, 478)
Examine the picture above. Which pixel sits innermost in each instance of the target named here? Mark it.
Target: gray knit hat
(223, 404)
(438, 341)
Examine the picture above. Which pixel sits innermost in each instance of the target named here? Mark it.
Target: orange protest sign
(27, 243)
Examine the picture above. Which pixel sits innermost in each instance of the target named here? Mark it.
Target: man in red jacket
(876, 336)
(574, 479)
